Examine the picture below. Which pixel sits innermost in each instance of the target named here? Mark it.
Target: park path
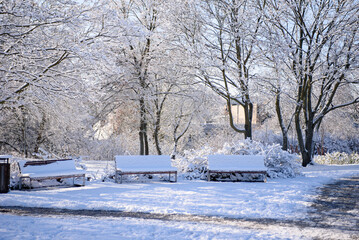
(334, 212)
(337, 206)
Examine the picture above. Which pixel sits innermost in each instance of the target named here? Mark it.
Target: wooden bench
(49, 169)
(143, 164)
(251, 164)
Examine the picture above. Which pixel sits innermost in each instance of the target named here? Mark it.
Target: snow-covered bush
(100, 170)
(281, 164)
(193, 165)
(338, 158)
(14, 174)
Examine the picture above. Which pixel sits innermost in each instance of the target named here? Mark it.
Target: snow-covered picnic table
(49, 169)
(252, 164)
(143, 164)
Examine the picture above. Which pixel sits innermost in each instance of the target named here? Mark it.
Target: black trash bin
(4, 173)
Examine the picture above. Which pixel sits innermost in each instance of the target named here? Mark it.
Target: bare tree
(275, 85)
(230, 34)
(320, 40)
(32, 48)
(139, 38)
(39, 68)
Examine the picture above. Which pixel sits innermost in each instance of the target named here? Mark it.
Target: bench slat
(220, 171)
(143, 164)
(249, 164)
(49, 169)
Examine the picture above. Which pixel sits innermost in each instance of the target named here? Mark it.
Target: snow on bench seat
(236, 164)
(49, 169)
(144, 164)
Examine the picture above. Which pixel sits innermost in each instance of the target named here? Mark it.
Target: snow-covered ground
(278, 199)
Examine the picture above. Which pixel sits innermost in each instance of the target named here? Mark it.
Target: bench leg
(22, 181)
(169, 175)
(117, 176)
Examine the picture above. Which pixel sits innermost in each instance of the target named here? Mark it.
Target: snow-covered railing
(49, 169)
(143, 164)
(252, 164)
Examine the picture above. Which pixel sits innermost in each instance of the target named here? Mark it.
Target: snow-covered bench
(143, 164)
(252, 164)
(49, 169)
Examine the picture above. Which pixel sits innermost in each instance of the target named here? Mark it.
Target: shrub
(338, 158)
(193, 165)
(281, 164)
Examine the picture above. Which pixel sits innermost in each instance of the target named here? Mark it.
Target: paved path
(335, 211)
(337, 206)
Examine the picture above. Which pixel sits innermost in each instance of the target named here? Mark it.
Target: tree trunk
(285, 141)
(143, 129)
(309, 133)
(174, 152)
(157, 132)
(24, 129)
(248, 115)
(159, 103)
(40, 133)
(143, 142)
(176, 137)
(305, 147)
(283, 128)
